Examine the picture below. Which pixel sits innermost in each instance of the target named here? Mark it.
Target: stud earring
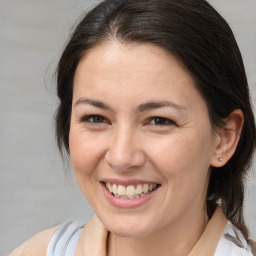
(220, 159)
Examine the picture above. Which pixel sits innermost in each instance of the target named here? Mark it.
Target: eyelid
(86, 118)
(168, 120)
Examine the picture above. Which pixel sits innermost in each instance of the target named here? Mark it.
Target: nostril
(121, 160)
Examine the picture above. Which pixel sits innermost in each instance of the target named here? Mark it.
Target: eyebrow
(95, 103)
(159, 104)
(141, 108)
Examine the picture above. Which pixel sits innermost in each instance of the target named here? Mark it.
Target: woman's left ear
(227, 138)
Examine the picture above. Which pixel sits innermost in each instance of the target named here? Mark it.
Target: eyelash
(98, 119)
(163, 121)
(101, 119)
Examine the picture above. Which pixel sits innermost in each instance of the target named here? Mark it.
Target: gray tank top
(65, 238)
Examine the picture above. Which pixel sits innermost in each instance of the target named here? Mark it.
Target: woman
(155, 113)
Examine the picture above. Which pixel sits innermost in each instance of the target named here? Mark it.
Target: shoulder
(65, 238)
(37, 245)
(233, 243)
(54, 241)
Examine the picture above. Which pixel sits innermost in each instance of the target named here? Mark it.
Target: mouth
(131, 191)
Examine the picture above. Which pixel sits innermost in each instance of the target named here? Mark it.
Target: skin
(126, 143)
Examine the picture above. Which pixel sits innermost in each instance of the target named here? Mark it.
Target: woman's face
(141, 141)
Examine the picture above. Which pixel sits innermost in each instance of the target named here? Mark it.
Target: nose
(124, 152)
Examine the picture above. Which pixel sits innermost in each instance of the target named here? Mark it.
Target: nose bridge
(124, 151)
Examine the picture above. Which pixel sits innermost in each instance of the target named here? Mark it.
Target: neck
(177, 239)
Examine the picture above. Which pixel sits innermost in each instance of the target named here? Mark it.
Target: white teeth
(130, 192)
(114, 190)
(121, 190)
(139, 189)
(145, 188)
(109, 187)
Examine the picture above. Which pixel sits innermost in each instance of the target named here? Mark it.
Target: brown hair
(201, 39)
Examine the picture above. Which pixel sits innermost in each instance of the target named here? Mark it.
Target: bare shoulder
(36, 245)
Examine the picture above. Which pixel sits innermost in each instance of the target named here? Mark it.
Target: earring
(220, 159)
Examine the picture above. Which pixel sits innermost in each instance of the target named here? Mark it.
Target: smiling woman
(155, 114)
(158, 146)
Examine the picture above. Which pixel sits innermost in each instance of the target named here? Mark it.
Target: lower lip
(127, 203)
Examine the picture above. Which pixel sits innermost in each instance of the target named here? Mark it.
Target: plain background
(37, 190)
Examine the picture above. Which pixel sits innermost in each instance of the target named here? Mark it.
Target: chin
(128, 232)
(129, 227)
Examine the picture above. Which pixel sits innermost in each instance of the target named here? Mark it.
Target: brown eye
(94, 119)
(160, 121)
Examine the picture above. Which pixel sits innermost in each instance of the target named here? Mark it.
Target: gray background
(36, 189)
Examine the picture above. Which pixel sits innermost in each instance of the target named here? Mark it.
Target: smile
(131, 191)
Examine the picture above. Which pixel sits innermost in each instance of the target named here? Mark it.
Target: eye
(94, 119)
(160, 121)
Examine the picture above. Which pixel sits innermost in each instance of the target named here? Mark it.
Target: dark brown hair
(201, 39)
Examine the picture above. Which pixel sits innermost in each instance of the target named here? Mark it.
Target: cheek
(184, 164)
(85, 157)
(182, 154)
(84, 152)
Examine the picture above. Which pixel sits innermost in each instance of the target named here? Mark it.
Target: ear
(227, 138)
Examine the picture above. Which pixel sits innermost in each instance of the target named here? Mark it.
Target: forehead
(116, 53)
(114, 59)
(133, 70)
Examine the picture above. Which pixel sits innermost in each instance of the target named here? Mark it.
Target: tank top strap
(65, 238)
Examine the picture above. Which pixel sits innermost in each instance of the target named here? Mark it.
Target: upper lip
(128, 182)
